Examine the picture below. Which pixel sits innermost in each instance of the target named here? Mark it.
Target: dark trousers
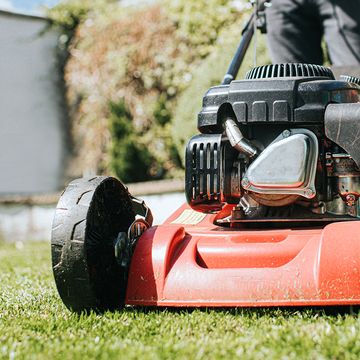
(296, 29)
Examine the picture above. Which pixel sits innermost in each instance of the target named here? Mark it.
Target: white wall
(23, 223)
(32, 142)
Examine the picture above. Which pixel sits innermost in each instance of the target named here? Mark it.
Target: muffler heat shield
(286, 167)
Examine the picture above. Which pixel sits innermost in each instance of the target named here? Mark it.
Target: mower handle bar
(247, 34)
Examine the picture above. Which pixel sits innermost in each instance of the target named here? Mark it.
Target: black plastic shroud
(274, 100)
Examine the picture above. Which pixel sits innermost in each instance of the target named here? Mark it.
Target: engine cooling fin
(203, 163)
(289, 70)
(350, 79)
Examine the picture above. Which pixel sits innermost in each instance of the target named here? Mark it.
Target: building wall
(32, 127)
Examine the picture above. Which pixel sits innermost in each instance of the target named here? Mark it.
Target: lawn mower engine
(273, 186)
(281, 146)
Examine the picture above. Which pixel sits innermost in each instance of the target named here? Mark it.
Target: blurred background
(105, 87)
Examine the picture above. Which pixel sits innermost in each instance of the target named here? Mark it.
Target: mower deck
(189, 261)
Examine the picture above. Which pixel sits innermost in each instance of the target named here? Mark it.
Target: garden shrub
(210, 73)
(125, 145)
(136, 76)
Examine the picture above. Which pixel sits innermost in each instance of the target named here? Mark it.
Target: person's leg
(294, 31)
(341, 19)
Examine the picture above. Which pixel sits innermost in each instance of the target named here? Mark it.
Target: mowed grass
(34, 324)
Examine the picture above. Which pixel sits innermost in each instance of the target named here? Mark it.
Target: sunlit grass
(35, 325)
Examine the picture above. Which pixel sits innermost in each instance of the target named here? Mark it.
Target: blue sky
(34, 6)
(26, 5)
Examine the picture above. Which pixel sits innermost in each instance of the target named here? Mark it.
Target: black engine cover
(279, 100)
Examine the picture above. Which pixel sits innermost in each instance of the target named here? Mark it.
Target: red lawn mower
(272, 213)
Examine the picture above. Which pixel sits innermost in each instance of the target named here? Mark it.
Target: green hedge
(210, 73)
(135, 79)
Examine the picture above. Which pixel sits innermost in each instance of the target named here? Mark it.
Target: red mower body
(189, 261)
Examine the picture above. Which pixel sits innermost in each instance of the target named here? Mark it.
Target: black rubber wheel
(90, 214)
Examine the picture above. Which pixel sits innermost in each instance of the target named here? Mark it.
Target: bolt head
(286, 133)
(309, 193)
(350, 200)
(245, 183)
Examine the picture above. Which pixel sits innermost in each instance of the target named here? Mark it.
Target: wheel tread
(70, 236)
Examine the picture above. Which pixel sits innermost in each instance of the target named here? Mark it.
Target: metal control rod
(247, 35)
(236, 62)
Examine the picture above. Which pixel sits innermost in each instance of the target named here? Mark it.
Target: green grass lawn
(35, 324)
